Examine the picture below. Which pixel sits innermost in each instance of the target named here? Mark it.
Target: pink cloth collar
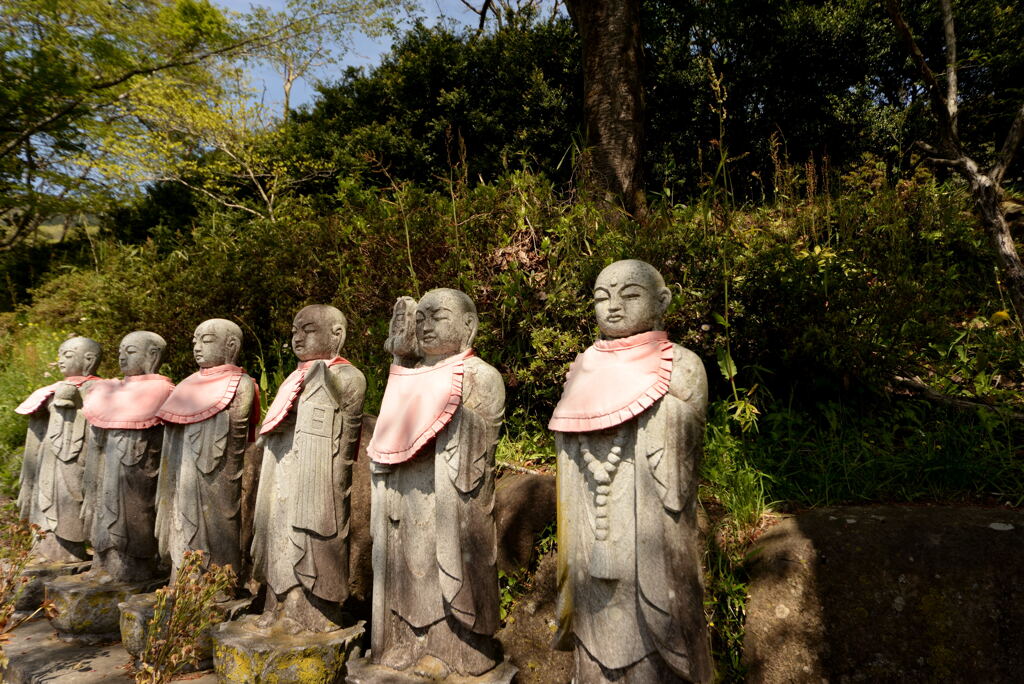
(127, 404)
(204, 394)
(613, 382)
(418, 403)
(289, 391)
(38, 399)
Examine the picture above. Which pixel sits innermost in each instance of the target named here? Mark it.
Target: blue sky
(364, 51)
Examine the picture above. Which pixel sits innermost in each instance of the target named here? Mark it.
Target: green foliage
(507, 99)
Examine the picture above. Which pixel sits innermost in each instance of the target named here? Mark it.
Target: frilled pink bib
(289, 391)
(418, 403)
(38, 399)
(204, 394)
(614, 381)
(128, 404)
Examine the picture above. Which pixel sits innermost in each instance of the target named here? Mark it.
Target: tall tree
(68, 70)
(949, 151)
(613, 101)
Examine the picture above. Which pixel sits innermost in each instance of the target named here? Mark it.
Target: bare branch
(916, 386)
(1010, 145)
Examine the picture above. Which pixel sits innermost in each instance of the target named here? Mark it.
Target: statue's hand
(401, 342)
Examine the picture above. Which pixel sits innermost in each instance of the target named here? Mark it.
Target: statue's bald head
(140, 352)
(446, 323)
(630, 297)
(216, 342)
(79, 356)
(318, 332)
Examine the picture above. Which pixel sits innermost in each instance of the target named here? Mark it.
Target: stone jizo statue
(628, 434)
(122, 473)
(209, 419)
(435, 583)
(52, 471)
(310, 437)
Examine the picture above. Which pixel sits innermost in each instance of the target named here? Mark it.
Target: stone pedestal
(362, 671)
(38, 574)
(243, 652)
(87, 606)
(138, 610)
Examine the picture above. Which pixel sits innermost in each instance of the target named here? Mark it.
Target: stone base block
(38, 574)
(138, 610)
(362, 671)
(87, 606)
(242, 652)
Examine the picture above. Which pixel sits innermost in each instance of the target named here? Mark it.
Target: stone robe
(199, 490)
(121, 473)
(38, 421)
(434, 544)
(60, 490)
(301, 519)
(635, 599)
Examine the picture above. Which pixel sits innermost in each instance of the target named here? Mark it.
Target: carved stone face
(629, 298)
(444, 326)
(138, 354)
(74, 358)
(315, 335)
(213, 345)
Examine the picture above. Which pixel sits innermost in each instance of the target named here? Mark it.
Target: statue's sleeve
(166, 485)
(94, 445)
(464, 504)
(37, 424)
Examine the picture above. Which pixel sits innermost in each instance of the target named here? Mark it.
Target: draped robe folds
(434, 542)
(59, 483)
(301, 518)
(36, 408)
(199, 489)
(639, 594)
(122, 469)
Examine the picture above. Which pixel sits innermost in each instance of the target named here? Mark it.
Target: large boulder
(524, 507)
(888, 593)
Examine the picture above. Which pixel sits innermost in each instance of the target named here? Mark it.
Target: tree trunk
(612, 98)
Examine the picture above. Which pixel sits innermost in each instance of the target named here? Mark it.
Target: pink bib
(205, 394)
(614, 381)
(38, 399)
(127, 404)
(418, 403)
(289, 391)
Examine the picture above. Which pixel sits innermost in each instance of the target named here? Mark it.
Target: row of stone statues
(144, 470)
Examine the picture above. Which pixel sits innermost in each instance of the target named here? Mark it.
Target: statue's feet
(290, 626)
(266, 621)
(431, 667)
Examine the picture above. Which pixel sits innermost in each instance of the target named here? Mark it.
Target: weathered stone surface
(38, 574)
(524, 506)
(530, 628)
(310, 437)
(37, 656)
(138, 610)
(360, 574)
(435, 592)
(209, 419)
(362, 671)
(888, 593)
(123, 461)
(247, 654)
(628, 434)
(87, 607)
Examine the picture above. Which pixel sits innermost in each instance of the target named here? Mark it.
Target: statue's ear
(664, 299)
(472, 323)
(338, 331)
